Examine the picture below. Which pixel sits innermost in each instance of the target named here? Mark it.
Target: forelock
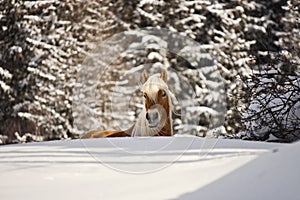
(153, 85)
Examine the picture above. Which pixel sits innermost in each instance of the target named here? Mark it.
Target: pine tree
(15, 57)
(64, 61)
(47, 41)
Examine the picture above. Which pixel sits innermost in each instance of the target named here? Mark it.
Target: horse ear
(164, 75)
(145, 76)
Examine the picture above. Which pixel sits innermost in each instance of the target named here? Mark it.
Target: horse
(155, 118)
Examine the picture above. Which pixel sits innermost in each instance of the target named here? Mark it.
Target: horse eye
(145, 95)
(164, 94)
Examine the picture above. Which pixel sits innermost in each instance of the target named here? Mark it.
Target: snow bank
(149, 168)
(274, 175)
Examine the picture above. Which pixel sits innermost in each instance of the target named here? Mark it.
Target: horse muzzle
(153, 118)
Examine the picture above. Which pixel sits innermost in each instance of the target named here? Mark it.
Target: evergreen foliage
(43, 45)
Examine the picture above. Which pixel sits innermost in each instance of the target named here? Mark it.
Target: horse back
(105, 133)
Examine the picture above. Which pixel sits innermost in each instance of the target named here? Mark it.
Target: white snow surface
(150, 168)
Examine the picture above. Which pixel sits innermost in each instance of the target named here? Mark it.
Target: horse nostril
(155, 116)
(152, 116)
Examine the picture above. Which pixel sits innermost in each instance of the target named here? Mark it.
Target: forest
(67, 67)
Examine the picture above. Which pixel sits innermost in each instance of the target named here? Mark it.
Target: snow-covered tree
(44, 45)
(15, 56)
(273, 88)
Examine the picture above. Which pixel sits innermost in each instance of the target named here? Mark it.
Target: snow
(150, 168)
(5, 73)
(272, 176)
(4, 86)
(275, 104)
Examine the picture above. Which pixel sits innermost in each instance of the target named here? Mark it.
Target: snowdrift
(150, 168)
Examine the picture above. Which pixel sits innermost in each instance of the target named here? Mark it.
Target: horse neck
(167, 130)
(141, 129)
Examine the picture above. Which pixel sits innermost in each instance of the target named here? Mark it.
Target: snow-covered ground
(150, 168)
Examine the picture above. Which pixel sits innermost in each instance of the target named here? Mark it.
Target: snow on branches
(44, 43)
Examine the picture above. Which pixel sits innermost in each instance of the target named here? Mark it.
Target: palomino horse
(156, 116)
